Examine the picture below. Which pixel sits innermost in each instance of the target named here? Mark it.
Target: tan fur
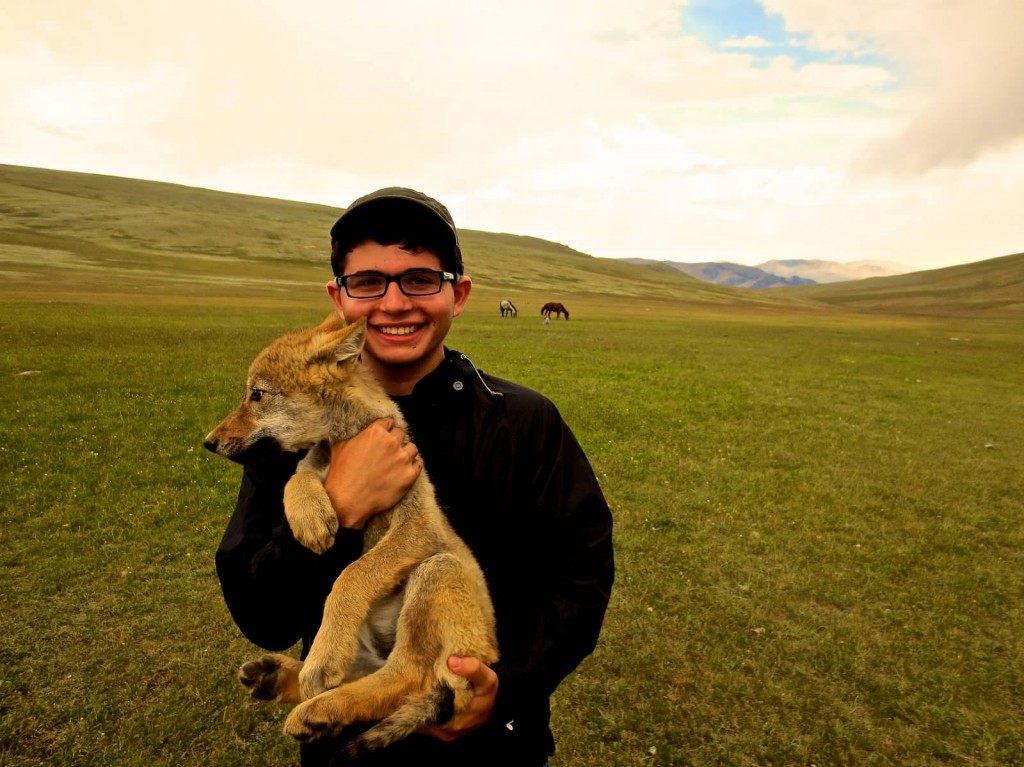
(416, 584)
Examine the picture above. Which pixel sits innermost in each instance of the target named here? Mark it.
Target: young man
(508, 472)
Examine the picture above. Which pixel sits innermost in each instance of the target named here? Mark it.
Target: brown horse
(553, 308)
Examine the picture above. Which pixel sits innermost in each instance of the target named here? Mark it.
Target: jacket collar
(456, 374)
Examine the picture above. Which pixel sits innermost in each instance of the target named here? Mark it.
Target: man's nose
(394, 297)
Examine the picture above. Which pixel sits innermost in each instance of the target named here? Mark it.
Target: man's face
(405, 334)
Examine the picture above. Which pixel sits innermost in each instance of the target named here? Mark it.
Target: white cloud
(594, 123)
(748, 41)
(963, 67)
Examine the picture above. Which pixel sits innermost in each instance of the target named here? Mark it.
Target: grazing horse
(552, 308)
(508, 309)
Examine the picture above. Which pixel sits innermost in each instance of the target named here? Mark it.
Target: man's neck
(400, 380)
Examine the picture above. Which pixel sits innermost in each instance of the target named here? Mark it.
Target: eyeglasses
(418, 282)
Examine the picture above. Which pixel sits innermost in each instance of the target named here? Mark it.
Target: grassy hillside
(991, 289)
(95, 235)
(87, 233)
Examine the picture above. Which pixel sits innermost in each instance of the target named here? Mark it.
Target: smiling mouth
(401, 330)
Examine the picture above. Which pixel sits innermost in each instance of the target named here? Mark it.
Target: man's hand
(371, 472)
(484, 682)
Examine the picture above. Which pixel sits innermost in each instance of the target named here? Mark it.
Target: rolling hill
(992, 289)
(91, 235)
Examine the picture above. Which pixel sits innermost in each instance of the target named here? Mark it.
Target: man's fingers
(397, 432)
(479, 675)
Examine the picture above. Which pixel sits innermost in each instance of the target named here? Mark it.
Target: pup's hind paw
(272, 677)
(311, 720)
(328, 663)
(317, 678)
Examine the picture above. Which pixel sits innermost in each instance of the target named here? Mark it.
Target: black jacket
(518, 488)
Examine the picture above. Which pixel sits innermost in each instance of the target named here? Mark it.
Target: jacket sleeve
(273, 586)
(576, 558)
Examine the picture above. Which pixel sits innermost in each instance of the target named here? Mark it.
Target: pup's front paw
(310, 514)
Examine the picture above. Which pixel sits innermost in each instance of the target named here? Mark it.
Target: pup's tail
(432, 708)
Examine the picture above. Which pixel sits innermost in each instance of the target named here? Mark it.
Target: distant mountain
(725, 273)
(777, 273)
(819, 271)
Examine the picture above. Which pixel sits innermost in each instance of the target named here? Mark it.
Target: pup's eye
(256, 395)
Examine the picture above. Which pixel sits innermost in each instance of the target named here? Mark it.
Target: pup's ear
(340, 345)
(331, 322)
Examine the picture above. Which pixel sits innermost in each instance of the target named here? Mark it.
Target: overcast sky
(727, 130)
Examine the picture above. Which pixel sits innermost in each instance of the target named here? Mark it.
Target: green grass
(819, 516)
(819, 557)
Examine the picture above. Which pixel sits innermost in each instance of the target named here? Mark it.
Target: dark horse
(508, 309)
(552, 308)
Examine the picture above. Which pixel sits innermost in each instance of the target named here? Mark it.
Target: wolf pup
(414, 597)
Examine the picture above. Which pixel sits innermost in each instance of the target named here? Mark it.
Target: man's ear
(335, 293)
(462, 289)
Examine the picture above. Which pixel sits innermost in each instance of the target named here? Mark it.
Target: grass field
(819, 519)
(819, 534)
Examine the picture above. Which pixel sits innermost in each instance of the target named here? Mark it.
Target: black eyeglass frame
(342, 282)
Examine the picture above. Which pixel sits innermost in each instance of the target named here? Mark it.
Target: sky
(730, 130)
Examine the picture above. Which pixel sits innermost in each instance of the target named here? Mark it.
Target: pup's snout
(211, 444)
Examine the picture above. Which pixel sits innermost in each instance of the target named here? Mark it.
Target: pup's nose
(210, 443)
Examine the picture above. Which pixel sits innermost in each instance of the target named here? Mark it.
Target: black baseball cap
(417, 216)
